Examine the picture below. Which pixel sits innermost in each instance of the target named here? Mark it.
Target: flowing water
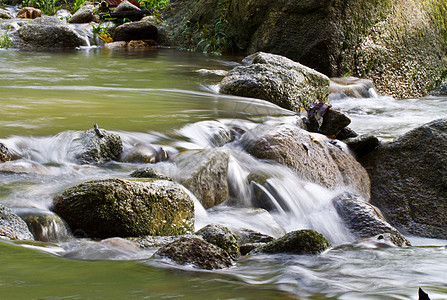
(167, 98)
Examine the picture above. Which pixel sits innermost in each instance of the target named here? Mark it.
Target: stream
(169, 98)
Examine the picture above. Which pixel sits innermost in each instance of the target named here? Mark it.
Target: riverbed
(168, 98)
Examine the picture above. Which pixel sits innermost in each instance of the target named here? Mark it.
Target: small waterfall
(351, 87)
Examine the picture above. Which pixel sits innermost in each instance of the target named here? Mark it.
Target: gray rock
(306, 241)
(222, 237)
(204, 173)
(363, 144)
(409, 180)
(136, 31)
(365, 220)
(277, 79)
(5, 14)
(149, 172)
(144, 154)
(249, 240)
(126, 6)
(12, 227)
(50, 32)
(309, 155)
(196, 252)
(332, 123)
(93, 148)
(441, 90)
(122, 208)
(83, 15)
(5, 155)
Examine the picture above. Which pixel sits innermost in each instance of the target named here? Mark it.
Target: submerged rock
(277, 79)
(309, 155)
(409, 180)
(222, 237)
(145, 153)
(204, 173)
(50, 32)
(196, 252)
(122, 208)
(12, 227)
(140, 30)
(365, 221)
(306, 241)
(84, 15)
(92, 147)
(5, 155)
(44, 225)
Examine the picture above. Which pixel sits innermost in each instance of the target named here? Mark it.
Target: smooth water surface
(169, 98)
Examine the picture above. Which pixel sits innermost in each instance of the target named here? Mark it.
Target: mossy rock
(222, 237)
(306, 241)
(123, 208)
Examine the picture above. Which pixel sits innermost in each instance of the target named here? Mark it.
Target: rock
(409, 180)
(5, 14)
(365, 220)
(441, 90)
(222, 237)
(116, 45)
(136, 31)
(152, 242)
(149, 172)
(396, 44)
(44, 225)
(92, 148)
(12, 227)
(362, 145)
(249, 240)
(351, 87)
(145, 153)
(5, 155)
(346, 133)
(83, 15)
(277, 79)
(196, 252)
(116, 3)
(204, 173)
(140, 44)
(309, 155)
(29, 13)
(330, 123)
(126, 6)
(50, 32)
(122, 208)
(306, 241)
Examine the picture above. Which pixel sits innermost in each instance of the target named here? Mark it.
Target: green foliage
(438, 10)
(77, 4)
(48, 7)
(155, 6)
(5, 40)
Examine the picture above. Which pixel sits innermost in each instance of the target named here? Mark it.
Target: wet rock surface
(140, 30)
(12, 227)
(304, 241)
(50, 32)
(196, 252)
(222, 237)
(309, 155)
(94, 147)
(409, 180)
(5, 155)
(277, 79)
(365, 221)
(205, 174)
(122, 208)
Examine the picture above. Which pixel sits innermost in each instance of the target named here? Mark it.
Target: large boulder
(394, 43)
(196, 252)
(115, 207)
(50, 32)
(365, 221)
(222, 237)
(204, 173)
(305, 241)
(96, 146)
(140, 30)
(278, 80)
(310, 155)
(83, 15)
(12, 227)
(5, 155)
(409, 180)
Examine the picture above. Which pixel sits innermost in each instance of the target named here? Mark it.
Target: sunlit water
(168, 98)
